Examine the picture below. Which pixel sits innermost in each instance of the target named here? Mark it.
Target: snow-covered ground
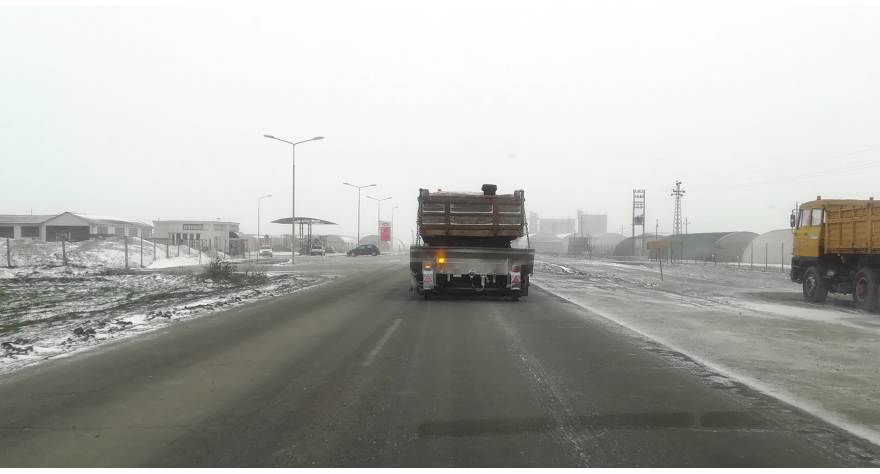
(48, 310)
(46, 314)
(750, 325)
(107, 254)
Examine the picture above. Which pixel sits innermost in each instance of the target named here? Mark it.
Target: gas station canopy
(305, 229)
(304, 220)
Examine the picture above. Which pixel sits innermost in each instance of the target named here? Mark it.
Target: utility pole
(656, 230)
(686, 225)
(676, 220)
(638, 218)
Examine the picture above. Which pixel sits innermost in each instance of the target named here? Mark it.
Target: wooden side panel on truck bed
(852, 227)
(493, 220)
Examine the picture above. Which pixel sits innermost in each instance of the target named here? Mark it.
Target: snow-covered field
(49, 314)
(48, 310)
(101, 254)
(750, 325)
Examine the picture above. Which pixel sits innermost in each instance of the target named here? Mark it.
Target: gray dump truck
(464, 244)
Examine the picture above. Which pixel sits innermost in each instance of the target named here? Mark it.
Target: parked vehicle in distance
(317, 250)
(368, 249)
(265, 251)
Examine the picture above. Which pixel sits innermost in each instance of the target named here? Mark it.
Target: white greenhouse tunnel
(773, 247)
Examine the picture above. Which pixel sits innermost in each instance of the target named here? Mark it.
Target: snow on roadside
(51, 314)
(751, 326)
(182, 261)
(99, 254)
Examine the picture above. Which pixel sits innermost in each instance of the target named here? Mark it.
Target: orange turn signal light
(427, 267)
(442, 260)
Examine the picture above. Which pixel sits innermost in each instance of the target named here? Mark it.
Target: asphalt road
(359, 372)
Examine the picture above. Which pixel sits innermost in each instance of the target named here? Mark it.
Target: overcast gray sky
(160, 112)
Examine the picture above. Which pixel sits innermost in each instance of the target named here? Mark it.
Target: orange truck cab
(836, 249)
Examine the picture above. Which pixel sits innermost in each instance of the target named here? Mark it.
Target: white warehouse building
(70, 226)
(213, 235)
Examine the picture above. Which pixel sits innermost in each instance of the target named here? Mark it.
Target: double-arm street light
(259, 236)
(379, 222)
(392, 226)
(293, 190)
(359, 207)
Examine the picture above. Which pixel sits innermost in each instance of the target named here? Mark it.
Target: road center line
(381, 343)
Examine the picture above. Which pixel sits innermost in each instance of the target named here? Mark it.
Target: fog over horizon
(159, 112)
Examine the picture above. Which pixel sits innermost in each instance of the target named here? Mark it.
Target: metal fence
(678, 254)
(593, 250)
(111, 252)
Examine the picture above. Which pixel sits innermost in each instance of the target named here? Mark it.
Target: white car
(317, 250)
(265, 251)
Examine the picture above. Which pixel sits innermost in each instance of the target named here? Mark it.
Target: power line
(792, 166)
(777, 168)
(808, 175)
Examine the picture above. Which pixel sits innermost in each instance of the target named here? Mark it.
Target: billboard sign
(660, 244)
(385, 231)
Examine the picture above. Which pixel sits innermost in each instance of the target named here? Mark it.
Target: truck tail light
(427, 267)
(516, 268)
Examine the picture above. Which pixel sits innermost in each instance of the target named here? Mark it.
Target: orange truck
(836, 249)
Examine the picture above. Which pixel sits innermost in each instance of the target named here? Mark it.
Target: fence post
(154, 251)
(125, 239)
(751, 256)
(63, 252)
(167, 254)
(142, 249)
(8, 254)
(782, 256)
(766, 256)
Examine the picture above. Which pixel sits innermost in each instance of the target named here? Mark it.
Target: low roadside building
(635, 246)
(71, 226)
(204, 235)
(339, 243)
(544, 243)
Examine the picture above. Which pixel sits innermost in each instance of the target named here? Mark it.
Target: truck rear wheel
(428, 294)
(514, 297)
(815, 287)
(865, 289)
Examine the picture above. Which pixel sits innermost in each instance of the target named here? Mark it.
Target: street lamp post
(379, 222)
(259, 237)
(392, 227)
(359, 208)
(293, 190)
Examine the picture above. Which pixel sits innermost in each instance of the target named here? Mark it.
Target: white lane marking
(381, 343)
